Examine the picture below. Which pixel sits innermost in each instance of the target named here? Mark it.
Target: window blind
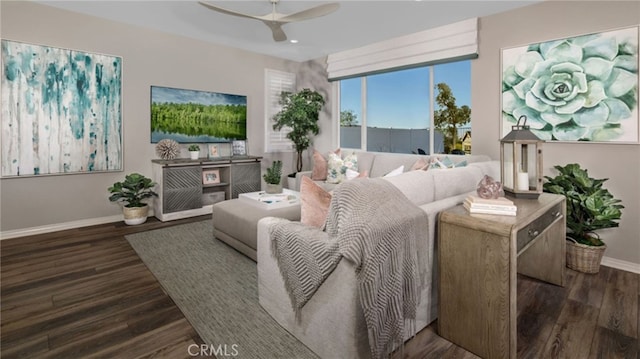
(275, 83)
(453, 42)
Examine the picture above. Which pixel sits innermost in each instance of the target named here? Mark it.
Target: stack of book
(501, 205)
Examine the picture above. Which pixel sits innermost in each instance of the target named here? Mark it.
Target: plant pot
(274, 188)
(135, 215)
(194, 154)
(584, 258)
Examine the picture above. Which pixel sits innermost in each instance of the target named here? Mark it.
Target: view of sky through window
(400, 99)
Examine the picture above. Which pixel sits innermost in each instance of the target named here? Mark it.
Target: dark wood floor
(85, 293)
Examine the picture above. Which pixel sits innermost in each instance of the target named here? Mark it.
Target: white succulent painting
(582, 88)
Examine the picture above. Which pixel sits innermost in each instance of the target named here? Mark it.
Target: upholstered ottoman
(235, 222)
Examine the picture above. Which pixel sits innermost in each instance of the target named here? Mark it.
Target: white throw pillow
(395, 172)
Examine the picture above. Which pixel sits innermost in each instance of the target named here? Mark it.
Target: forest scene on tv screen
(191, 116)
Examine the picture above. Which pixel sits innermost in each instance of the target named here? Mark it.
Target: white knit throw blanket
(373, 225)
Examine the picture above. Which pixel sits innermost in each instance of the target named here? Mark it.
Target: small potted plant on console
(132, 191)
(273, 176)
(194, 151)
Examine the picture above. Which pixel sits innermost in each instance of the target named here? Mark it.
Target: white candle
(523, 181)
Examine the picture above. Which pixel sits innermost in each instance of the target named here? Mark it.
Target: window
(396, 111)
(275, 83)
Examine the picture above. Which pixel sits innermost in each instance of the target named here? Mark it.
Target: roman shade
(453, 42)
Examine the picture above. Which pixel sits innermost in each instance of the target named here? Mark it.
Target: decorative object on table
(521, 162)
(211, 176)
(300, 113)
(132, 191)
(194, 151)
(488, 188)
(273, 176)
(500, 205)
(168, 149)
(590, 207)
(239, 148)
(214, 151)
(64, 106)
(191, 116)
(582, 88)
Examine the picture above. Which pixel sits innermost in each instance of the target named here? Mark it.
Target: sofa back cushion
(387, 162)
(417, 186)
(454, 181)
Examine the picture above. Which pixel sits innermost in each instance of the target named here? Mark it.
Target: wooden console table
(479, 258)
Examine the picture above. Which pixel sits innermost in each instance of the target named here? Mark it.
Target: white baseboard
(620, 264)
(59, 227)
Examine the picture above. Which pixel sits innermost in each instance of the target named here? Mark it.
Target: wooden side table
(479, 258)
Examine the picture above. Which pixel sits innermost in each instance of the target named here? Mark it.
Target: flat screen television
(192, 116)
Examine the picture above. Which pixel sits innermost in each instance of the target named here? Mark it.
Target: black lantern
(521, 162)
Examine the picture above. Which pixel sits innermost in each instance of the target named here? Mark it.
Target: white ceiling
(354, 24)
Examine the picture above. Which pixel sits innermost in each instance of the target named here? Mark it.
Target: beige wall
(149, 58)
(546, 21)
(153, 58)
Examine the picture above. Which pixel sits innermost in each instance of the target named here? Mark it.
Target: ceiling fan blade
(276, 29)
(226, 11)
(311, 13)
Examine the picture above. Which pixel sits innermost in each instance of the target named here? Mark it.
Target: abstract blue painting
(61, 111)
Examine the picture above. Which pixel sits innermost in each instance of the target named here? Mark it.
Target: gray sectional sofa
(377, 164)
(332, 323)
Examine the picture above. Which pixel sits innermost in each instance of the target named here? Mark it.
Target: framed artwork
(192, 116)
(582, 88)
(239, 148)
(61, 111)
(214, 152)
(211, 176)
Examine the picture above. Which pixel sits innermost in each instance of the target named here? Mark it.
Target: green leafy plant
(132, 190)
(274, 173)
(300, 112)
(194, 148)
(590, 207)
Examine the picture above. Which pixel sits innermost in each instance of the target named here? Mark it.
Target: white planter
(274, 188)
(135, 215)
(194, 154)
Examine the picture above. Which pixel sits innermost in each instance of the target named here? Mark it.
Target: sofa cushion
(416, 185)
(454, 181)
(337, 167)
(314, 203)
(319, 171)
(386, 162)
(420, 164)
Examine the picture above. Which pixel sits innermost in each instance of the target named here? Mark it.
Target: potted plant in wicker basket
(132, 192)
(590, 207)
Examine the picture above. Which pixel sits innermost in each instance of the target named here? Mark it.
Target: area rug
(217, 290)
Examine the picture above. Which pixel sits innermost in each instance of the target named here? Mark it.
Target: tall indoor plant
(590, 207)
(132, 191)
(300, 112)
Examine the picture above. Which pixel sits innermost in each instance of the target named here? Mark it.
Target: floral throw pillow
(337, 167)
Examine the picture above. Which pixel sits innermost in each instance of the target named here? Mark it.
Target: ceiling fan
(275, 20)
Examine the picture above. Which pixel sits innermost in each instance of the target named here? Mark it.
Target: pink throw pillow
(319, 171)
(420, 164)
(314, 203)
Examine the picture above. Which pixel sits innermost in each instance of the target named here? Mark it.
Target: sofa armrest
(299, 176)
(333, 315)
